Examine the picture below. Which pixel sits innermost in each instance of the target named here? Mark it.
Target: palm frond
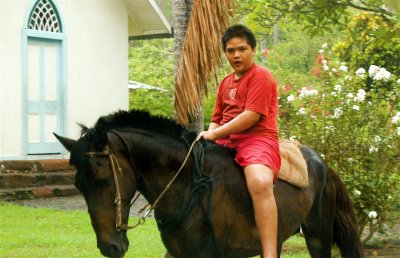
(200, 55)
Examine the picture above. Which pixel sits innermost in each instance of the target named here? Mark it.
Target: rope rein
(116, 168)
(201, 183)
(154, 205)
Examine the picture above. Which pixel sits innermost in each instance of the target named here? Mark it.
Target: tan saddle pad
(293, 166)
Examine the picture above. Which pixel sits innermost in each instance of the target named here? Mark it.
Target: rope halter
(116, 169)
(118, 205)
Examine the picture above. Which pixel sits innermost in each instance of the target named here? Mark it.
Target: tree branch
(375, 9)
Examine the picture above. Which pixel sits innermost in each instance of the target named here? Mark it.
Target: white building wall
(12, 16)
(97, 71)
(97, 65)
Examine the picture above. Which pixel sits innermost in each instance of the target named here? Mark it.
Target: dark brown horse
(203, 214)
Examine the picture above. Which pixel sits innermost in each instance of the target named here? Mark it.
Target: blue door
(43, 91)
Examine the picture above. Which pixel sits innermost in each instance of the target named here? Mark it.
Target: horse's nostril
(113, 251)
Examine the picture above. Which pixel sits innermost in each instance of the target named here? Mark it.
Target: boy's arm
(213, 126)
(240, 123)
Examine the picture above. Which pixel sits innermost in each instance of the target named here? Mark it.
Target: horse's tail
(345, 233)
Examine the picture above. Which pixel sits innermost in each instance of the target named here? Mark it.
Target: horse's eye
(102, 183)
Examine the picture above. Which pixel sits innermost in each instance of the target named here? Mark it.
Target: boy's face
(240, 55)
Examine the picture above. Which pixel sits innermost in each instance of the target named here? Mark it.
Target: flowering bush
(356, 130)
(364, 43)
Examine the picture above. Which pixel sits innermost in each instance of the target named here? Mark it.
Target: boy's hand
(207, 135)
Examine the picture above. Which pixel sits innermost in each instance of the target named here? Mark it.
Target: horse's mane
(139, 119)
(130, 120)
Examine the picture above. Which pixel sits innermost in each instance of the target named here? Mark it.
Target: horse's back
(317, 169)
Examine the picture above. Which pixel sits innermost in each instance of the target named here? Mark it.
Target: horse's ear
(100, 139)
(66, 142)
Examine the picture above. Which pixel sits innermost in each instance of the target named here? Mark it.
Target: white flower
(350, 95)
(373, 149)
(322, 156)
(360, 95)
(325, 67)
(377, 138)
(372, 214)
(360, 72)
(337, 87)
(398, 81)
(398, 131)
(333, 94)
(378, 73)
(321, 51)
(355, 107)
(324, 61)
(349, 78)
(337, 112)
(396, 118)
(290, 98)
(382, 75)
(302, 111)
(356, 192)
(325, 45)
(351, 160)
(373, 69)
(334, 70)
(306, 92)
(343, 68)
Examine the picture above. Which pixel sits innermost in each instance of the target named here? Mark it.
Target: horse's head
(103, 174)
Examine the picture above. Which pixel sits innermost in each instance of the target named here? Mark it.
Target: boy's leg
(259, 180)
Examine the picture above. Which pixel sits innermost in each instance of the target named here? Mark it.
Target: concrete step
(34, 166)
(20, 180)
(37, 192)
(28, 179)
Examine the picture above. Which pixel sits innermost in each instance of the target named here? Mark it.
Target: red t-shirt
(256, 91)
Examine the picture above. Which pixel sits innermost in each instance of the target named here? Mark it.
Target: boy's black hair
(238, 31)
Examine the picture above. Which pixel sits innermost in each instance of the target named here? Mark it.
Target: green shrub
(152, 62)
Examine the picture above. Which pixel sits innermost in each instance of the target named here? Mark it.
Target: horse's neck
(157, 160)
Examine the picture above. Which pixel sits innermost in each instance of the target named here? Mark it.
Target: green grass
(41, 232)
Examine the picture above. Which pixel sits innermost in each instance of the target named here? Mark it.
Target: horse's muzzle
(114, 250)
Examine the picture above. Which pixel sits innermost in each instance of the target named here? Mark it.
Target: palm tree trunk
(181, 10)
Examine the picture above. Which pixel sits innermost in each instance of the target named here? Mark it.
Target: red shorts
(254, 149)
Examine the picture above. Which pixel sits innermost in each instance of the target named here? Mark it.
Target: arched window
(44, 17)
(43, 78)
